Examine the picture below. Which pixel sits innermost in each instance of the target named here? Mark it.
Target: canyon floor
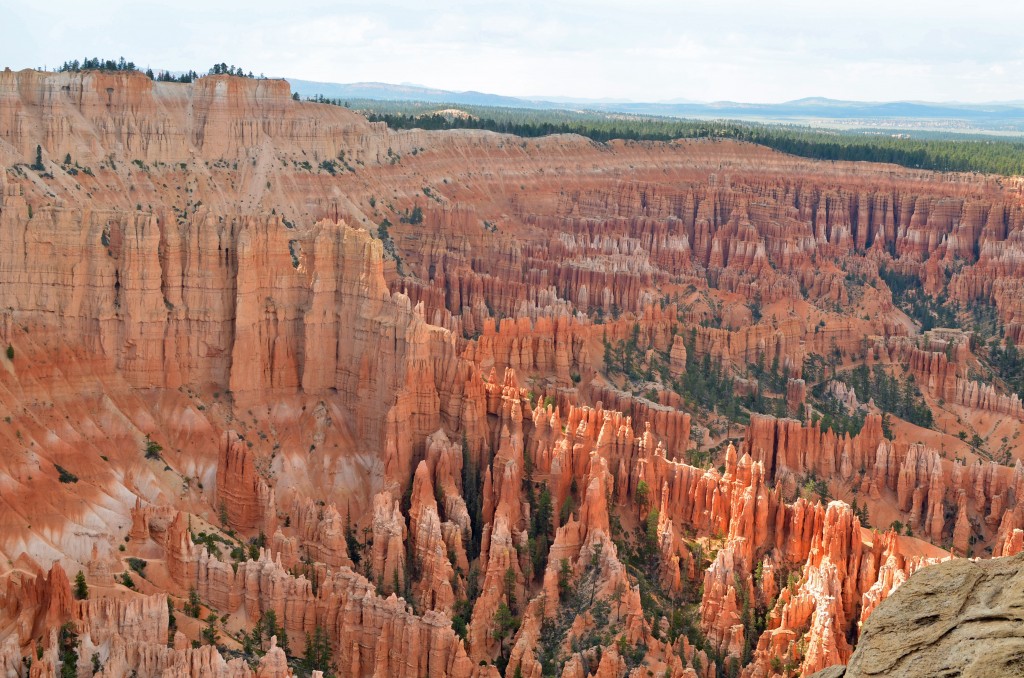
(288, 392)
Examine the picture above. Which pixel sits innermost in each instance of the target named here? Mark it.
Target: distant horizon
(646, 51)
(611, 99)
(551, 98)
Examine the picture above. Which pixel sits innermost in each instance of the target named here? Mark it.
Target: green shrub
(65, 476)
(153, 448)
(191, 606)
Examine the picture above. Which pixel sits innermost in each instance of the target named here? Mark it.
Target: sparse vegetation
(152, 448)
(317, 655)
(389, 244)
(96, 64)
(65, 476)
(210, 634)
(963, 153)
(224, 69)
(1007, 361)
(167, 76)
(908, 294)
(902, 399)
(67, 650)
(81, 589)
(38, 165)
(192, 605)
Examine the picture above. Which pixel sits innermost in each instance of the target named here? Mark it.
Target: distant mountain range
(817, 107)
(387, 92)
(1006, 116)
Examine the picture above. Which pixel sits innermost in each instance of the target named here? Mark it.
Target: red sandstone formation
(358, 423)
(243, 497)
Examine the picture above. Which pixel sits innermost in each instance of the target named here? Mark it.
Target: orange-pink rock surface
(239, 374)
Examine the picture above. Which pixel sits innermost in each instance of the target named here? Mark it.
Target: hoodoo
(287, 391)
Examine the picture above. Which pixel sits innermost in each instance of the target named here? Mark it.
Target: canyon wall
(242, 374)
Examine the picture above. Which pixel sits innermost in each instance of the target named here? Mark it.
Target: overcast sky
(643, 50)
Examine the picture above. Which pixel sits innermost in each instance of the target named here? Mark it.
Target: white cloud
(640, 50)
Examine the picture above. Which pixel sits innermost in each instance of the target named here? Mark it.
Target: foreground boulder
(959, 618)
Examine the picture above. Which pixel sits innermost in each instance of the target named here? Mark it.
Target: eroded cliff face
(491, 443)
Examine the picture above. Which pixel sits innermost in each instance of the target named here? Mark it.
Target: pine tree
(505, 623)
(191, 607)
(67, 645)
(510, 587)
(318, 651)
(81, 588)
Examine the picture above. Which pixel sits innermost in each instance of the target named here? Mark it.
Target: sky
(642, 50)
